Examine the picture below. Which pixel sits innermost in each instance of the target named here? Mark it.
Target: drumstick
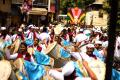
(81, 57)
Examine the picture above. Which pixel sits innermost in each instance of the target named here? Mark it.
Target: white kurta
(117, 51)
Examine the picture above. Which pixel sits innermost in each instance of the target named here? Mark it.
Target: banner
(76, 15)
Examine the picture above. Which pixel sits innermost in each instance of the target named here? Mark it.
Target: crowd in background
(29, 48)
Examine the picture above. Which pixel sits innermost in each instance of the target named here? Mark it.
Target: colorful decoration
(76, 15)
(27, 6)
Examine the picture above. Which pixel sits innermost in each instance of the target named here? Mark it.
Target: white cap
(99, 31)
(41, 27)
(20, 30)
(87, 31)
(90, 45)
(105, 34)
(37, 27)
(81, 30)
(22, 26)
(33, 27)
(105, 44)
(50, 25)
(3, 28)
(98, 42)
(30, 26)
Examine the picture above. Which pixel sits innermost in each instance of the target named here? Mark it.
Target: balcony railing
(36, 3)
(17, 1)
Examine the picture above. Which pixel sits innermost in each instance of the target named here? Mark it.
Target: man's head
(90, 49)
(98, 44)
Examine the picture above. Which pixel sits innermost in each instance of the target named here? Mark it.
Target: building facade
(96, 16)
(38, 14)
(5, 12)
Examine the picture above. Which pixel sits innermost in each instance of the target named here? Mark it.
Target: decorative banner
(81, 18)
(70, 16)
(76, 15)
(73, 12)
(76, 12)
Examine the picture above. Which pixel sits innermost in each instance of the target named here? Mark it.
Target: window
(100, 14)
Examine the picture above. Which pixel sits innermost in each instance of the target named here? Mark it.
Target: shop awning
(38, 11)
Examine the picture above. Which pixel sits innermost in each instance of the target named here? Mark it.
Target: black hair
(44, 29)
(23, 43)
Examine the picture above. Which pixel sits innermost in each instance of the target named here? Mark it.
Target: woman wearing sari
(24, 62)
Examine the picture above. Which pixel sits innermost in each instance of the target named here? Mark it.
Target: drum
(19, 64)
(15, 46)
(5, 70)
(2, 45)
(53, 50)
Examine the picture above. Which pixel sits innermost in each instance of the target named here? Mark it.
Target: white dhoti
(56, 74)
(66, 71)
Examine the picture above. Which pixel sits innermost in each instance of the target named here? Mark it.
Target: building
(42, 12)
(38, 14)
(96, 16)
(5, 12)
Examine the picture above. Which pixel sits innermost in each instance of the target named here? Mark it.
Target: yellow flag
(70, 16)
(81, 17)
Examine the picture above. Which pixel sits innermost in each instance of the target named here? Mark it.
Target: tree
(106, 6)
(65, 4)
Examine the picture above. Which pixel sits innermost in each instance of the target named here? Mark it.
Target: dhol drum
(53, 50)
(15, 46)
(1, 45)
(19, 66)
(5, 70)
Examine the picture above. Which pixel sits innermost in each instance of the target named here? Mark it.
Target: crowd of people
(55, 52)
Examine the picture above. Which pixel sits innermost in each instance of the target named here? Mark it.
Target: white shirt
(80, 37)
(14, 37)
(68, 68)
(43, 36)
(7, 38)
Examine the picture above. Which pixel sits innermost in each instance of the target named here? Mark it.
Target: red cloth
(20, 55)
(52, 37)
(39, 48)
(22, 37)
(70, 34)
(65, 37)
(27, 56)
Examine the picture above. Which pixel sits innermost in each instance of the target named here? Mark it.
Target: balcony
(18, 2)
(36, 3)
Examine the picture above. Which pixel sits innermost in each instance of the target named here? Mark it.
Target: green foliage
(106, 6)
(65, 4)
